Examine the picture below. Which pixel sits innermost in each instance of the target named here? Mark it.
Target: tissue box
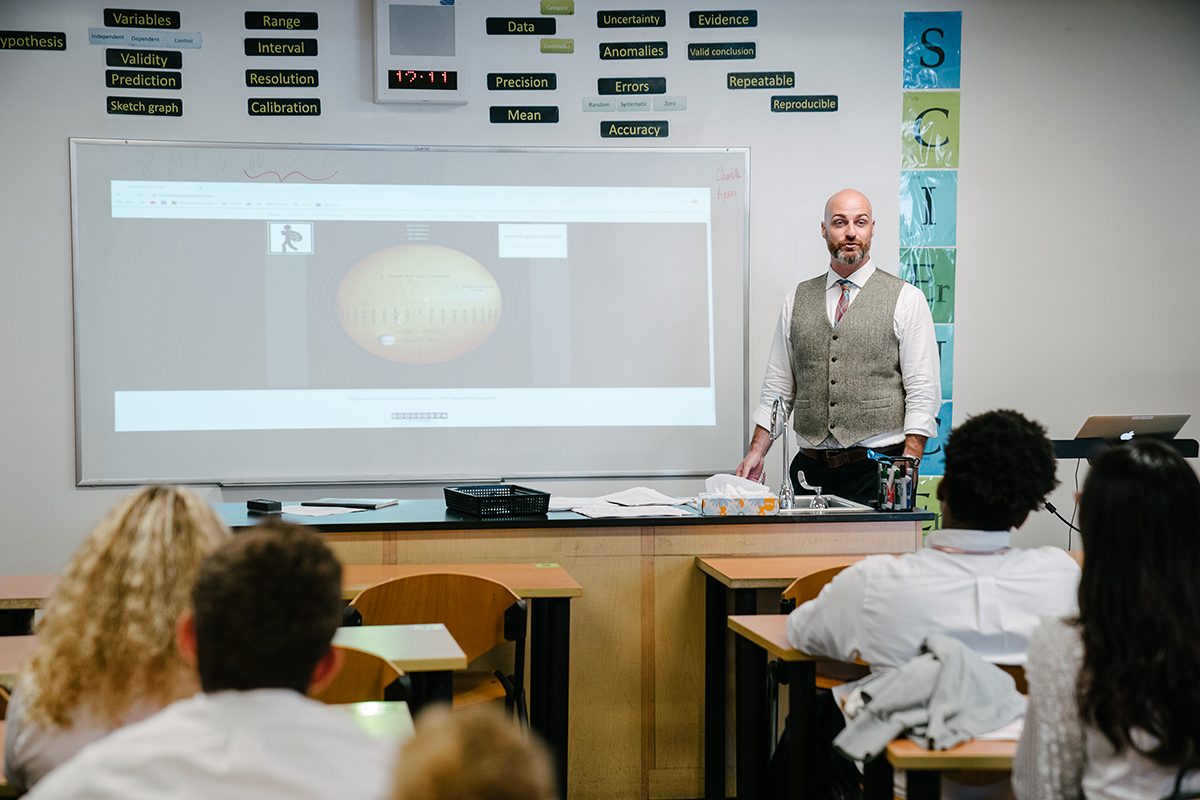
(716, 506)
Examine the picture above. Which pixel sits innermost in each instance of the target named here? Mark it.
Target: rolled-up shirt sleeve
(779, 380)
(920, 366)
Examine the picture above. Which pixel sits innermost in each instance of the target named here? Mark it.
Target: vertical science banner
(929, 152)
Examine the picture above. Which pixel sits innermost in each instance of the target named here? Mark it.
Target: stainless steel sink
(837, 505)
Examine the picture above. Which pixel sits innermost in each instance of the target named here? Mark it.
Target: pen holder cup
(897, 483)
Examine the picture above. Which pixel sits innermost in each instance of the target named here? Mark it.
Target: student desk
(636, 673)
(426, 652)
(743, 575)
(14, 652)
(924, 768)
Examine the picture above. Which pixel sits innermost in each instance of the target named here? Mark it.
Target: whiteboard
(272, 313)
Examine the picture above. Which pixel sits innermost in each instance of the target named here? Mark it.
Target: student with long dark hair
(1114, 705)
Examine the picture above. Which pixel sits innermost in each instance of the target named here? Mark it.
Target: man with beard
(855, 355)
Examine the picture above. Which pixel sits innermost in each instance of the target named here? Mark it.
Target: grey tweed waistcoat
(848, 379)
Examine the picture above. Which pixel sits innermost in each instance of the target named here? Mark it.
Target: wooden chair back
(1018, 675)
(472, 608)
(807, 587)
(4, 697)
(362, 678)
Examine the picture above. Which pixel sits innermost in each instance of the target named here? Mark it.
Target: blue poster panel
(929, 208)
(945, 342)
(934, 460)
(932, 49)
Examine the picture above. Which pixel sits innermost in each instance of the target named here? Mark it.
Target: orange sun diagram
(419, 304)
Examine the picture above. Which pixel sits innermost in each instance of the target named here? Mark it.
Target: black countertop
(433, 514)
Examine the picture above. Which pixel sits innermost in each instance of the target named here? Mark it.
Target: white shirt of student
(919, 364)
(265, 744)
(882, 608)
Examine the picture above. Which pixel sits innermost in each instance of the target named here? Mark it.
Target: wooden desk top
(768, 572)
(772, 572)
(382, 719)
(25, 591)
(14, 652)
(977, 754)
(526, 580)
(412, 648)
(768, 631)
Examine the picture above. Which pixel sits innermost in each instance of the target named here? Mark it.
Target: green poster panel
(926, 500)
(931, 269)
(929, 131)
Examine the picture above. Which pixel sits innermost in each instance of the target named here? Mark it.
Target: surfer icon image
(290, 238)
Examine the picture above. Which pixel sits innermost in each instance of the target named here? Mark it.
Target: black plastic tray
(496, 500)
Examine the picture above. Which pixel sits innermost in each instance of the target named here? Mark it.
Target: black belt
(836, 458)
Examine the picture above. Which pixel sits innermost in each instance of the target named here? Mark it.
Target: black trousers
(835, 777)
(857, 481)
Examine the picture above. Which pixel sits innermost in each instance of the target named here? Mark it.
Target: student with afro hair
(966, 582)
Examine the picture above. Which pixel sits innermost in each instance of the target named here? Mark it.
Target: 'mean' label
(271, 107)
(281, 20)
(145, 106)
(141, 79)
(32, 40)
(723, 19)
(281, 47)
(644, 129)
(282, 77)
(656, 18)
(760, 80)
(147, 59)
(794, 103)
(619, 51)
(526, 114)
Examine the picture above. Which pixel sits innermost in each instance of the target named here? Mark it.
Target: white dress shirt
(262, 744)
(882, 608)
(920, 367)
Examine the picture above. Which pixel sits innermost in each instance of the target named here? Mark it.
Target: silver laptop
(1124, 428)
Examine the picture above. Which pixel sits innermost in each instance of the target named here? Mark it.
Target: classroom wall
(1076, 202)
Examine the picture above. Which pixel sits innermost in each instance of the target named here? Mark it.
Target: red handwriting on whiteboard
(725, 194)
(729, 174)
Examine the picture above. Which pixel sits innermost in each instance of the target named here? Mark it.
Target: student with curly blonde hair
(106, 653)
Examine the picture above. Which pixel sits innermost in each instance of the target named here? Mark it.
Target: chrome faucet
(787, 497)
(819, 500)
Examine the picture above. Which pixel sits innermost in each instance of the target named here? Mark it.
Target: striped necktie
(843, 301)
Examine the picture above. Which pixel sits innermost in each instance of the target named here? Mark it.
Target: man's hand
(752, 465)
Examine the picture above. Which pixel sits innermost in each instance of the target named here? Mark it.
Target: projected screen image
(253, 312)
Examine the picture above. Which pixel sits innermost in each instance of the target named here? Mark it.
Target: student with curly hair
(1114, 704)
(106, 653)
(967, 582)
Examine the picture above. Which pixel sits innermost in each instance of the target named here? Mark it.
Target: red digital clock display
(417, 79)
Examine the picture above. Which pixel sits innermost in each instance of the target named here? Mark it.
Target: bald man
(855, 356)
